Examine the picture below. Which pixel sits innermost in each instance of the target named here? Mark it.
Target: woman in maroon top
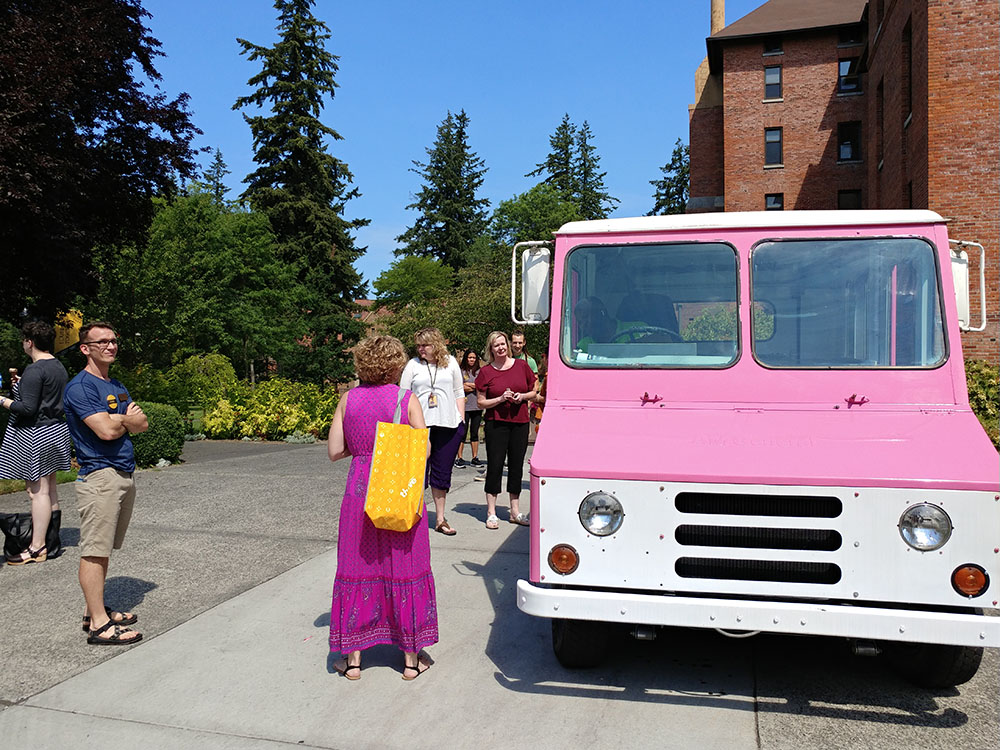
(504, 388)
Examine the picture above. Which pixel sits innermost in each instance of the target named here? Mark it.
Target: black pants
(505, 440)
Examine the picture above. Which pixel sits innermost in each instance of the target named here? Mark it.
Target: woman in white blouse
(436, 380)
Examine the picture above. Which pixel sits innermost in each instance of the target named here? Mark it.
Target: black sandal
(115, 639)
(126, 619)
(420, 663)
(348, 668)
(34, 556)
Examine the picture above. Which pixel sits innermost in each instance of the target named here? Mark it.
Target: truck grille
(796, 506)
(758, 535)
(758, 538)
(757, 570)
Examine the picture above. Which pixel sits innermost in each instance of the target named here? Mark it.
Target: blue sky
(514, 66)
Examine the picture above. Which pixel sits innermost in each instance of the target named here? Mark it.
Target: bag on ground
(395, 496)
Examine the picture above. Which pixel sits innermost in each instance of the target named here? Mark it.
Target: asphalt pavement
(229, 564)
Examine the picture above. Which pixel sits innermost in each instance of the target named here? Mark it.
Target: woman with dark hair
(383, 592)
(473, 414)
(37, 443)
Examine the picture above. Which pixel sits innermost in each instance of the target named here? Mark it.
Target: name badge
(432, 401)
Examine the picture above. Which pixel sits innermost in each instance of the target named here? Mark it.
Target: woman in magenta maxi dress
(383, 592)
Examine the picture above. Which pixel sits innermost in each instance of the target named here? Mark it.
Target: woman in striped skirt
(37, 443)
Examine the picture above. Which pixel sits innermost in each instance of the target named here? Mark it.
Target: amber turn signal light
(563, 559)
(970, 580)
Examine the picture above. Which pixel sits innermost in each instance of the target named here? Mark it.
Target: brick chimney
(718, 15)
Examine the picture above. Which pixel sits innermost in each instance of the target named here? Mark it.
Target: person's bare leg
(515, 509)
(41, 510)
(53, 491)
(350, 663)
(475, 450)
(439, 501)
(93, 572)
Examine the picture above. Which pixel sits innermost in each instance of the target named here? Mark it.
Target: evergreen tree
(591, 196)
(571, 168)
(559, 165)
(451, 216)
(214, 176)
(671, 192)
(302, 188)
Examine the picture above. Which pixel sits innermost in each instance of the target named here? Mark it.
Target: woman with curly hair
(36, 444)
(383, 592)
(436, 379)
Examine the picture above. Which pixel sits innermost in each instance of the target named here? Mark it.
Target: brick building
(824, 104)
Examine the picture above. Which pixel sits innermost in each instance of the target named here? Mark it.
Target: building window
(848, 200)
(772, 146)
(772, 45)
(849, 141)
(848, 77)
(774, 202)
(849, 36)
(772, 82)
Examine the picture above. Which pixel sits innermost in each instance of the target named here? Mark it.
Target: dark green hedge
(163, 439)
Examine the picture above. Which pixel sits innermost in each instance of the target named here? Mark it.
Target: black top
(40, 394)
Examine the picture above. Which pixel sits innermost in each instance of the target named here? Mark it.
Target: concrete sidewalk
(230, 564)
(255, 671)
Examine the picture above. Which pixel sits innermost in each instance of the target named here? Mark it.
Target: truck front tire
(932, 665)
(579, 644)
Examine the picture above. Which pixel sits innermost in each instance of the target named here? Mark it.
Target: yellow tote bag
(395, 496)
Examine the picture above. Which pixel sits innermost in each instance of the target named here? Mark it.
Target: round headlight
(601, 514)
(925, 527)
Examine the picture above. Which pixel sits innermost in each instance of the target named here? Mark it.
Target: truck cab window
(849, 303)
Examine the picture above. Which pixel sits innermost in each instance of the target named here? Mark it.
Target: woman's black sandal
(34, 556)
(115, 639)
(129, 619)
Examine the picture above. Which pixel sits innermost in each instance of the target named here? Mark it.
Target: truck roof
(751, 219)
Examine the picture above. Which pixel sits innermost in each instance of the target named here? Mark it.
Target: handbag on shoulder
(395, 498)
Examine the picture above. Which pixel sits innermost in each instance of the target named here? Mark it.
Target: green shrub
(272, 410)
(146, 383)
(204, 379)
(164, 438)
(984, 395)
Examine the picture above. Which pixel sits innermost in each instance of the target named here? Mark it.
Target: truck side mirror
(536, 260)
(960, 275)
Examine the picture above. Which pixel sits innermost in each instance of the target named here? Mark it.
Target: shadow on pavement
(768, 673)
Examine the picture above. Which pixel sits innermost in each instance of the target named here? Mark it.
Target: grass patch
(7, 486)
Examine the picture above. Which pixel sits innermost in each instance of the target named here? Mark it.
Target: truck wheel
(933, 665)
(579, 644)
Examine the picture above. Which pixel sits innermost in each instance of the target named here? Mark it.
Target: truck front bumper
(804, 618)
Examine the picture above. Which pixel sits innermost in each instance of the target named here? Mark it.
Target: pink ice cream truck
(759, 422)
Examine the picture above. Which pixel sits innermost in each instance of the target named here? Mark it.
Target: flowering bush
(271, 410)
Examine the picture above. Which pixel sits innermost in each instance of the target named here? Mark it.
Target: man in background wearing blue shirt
(101, 415)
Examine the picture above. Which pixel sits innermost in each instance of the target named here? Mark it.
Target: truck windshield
(847, 303)
(635, 306)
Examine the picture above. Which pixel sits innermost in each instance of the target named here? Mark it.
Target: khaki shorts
(105, 499)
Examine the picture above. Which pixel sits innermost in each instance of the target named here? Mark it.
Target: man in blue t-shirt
(101, 415)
